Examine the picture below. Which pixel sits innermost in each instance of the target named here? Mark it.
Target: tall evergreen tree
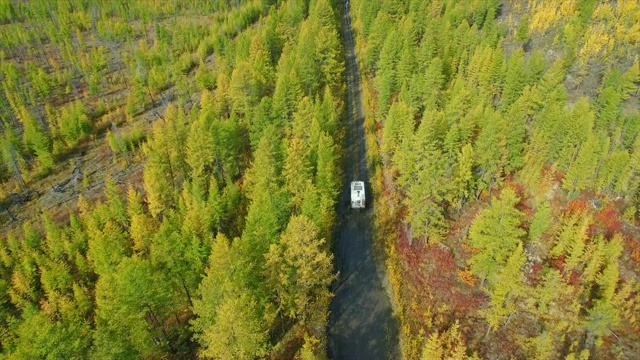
(300, 268)
(581, 172)
(507, 288)
(237, 332)
(496, 233)
(130, 315)
(426, 184)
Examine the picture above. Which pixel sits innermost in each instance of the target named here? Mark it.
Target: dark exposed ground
(361, 324)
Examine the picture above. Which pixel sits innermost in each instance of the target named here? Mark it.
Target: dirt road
(361, 325)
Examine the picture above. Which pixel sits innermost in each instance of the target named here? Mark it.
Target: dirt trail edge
(361, 324)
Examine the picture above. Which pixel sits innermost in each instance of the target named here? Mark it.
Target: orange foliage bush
(467, 277)
(634, 248)
(577, 206)
(470, 249)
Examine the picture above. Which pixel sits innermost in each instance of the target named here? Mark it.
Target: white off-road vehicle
(357, 195)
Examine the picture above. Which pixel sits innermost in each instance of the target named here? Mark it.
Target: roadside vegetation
(169, 176)
(504, 139)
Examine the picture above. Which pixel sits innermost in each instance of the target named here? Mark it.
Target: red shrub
(534, 275)
(441, 285)
(573, 278)
(410, 254)
(442, 258)
(609, 221)
(135, 179)
(558, 262)
(104, 151)
(475, 301)
(60, 213)
(465, 304)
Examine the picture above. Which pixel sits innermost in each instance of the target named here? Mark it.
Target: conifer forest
(174, 178)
